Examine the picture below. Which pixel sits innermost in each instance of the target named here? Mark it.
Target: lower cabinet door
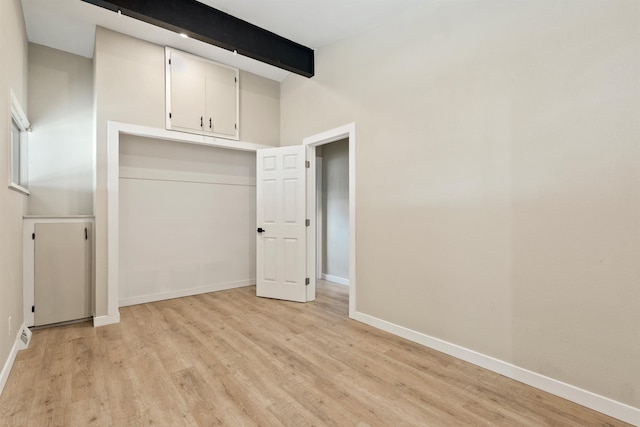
(62, 271)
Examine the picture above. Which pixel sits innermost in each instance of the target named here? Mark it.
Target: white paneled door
(281, 230)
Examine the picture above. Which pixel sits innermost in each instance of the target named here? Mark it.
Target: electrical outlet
(10, 326)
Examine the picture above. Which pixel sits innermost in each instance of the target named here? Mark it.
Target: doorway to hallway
(340, 143)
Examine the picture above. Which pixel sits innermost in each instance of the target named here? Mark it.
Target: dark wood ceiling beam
(209, 25)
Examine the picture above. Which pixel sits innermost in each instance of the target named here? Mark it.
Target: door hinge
(86, 234)
(307, 281)
(33, 236)
(307, 164)
(307, 222)
(33, 308)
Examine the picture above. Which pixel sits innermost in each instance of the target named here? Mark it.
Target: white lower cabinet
(60, 273)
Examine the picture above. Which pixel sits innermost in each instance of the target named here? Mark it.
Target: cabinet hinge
(86, 234)
(235, 79)
(169, 115)
(169, 61)
(236, 126)
(33, 236)
(307, 222)
(307, 281)
(33, 308)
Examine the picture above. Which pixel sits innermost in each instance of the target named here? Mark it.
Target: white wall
(187, 219)
(259, 109)
(335, 197)
(13, 76)
(498, 178)
(61, 141)
(129, 88)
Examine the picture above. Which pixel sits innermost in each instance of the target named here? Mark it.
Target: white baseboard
(580, 396)
(18, 344)
(335, 279)
(106, 320)
(143, 299)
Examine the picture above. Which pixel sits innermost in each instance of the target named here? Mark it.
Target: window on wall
(18, 172)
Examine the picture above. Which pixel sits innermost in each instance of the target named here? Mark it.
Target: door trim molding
(319, 218)
(332, 135)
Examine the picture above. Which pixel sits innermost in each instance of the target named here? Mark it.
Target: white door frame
(319, 218)
(337, 134)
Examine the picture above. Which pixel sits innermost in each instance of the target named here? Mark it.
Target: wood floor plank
(231, 359)
(244, 393)
(87, 412)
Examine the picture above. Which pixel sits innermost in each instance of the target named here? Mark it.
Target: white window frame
(19, 179)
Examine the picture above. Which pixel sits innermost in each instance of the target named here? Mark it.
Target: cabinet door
(187, 92)
(222, 101)
(62, 287)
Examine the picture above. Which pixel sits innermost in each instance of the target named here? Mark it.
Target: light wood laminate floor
(230, 358)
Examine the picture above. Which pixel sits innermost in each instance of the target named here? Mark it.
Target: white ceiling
(69, 25)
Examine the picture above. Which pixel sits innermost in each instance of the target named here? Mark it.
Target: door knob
(261, 230)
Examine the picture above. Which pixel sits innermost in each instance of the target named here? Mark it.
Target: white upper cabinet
(222, 99)
(202, 96)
